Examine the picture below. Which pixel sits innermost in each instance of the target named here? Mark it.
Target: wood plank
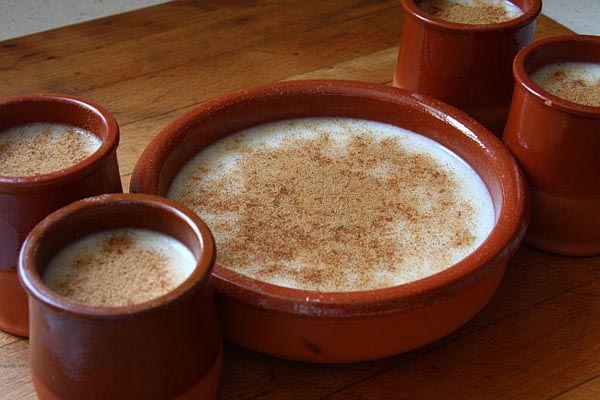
(376, 67)
(248, 375)
(216, 32)
(15, 381)
(6, 338)
(532, 278)
(96, 34)
(585, 391)
(546, 27)
(534, 354)
(192, 83)
(593, 289)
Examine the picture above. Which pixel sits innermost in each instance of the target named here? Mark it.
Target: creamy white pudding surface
(119, 267)
(472, 12)
(41, 148)
(577, 82)
(336, 204)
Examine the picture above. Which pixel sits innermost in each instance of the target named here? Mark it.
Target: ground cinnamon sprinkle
(316, 215)
(42, 148)
(478, 12)
(573, 88)
(116, 272)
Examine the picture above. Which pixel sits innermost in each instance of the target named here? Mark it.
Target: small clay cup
(24, 201)
(330, 327)
(557, 143)
(165, 348)
(467, 66)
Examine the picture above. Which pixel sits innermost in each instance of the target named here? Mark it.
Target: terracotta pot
(467, 66)
(558, 145)
(24, 201)
(165, 348)
(352, 326)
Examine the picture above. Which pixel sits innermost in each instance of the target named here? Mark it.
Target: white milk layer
(512, 10)
(41, 148)
(424, 244)
(119, 267)
(589, 72)
(574, 81)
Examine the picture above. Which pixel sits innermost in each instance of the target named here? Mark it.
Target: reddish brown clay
(24, 201)
(467, 66)
(165, 348)
(558, 145)
(353, 326)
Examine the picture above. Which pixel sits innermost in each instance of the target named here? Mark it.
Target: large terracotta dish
(352, 326)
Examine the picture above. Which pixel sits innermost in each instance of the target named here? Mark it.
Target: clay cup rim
(109, 137)
(110, 206)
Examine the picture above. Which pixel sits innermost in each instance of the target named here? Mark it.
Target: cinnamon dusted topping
(321, 212)
(575, 82)
(118, 268)
(42, 148)
(117, 244)
(476, 12)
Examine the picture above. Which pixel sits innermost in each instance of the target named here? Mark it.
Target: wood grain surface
(539, 337)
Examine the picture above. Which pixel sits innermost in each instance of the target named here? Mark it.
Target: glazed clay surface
(353, 326)
(24, 201)
(558, 145)
(467, 66)
(167, 347)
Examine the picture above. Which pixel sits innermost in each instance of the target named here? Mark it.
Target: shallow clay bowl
(331, 327)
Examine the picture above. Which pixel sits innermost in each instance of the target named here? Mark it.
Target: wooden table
(538, 338)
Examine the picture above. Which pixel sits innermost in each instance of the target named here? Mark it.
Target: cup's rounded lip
(515, 23)
(500, 244)
(522, 77)
(82, 168)
(32, 281)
